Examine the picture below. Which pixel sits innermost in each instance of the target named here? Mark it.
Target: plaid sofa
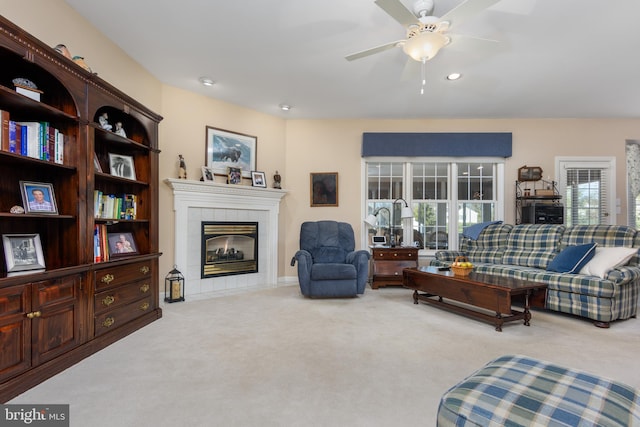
(516, 390)
(524, 251)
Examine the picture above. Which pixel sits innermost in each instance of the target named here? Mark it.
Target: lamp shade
(371, 220)
(425, 45)
(406, 212)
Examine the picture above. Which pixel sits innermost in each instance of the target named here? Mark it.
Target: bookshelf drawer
(110, 277)
(113, 319)
(121, 296)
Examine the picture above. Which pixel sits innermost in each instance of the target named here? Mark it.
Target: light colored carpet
(274, 358)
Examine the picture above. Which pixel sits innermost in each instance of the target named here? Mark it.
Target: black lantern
(174, 286)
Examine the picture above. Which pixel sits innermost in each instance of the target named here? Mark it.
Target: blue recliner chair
(328, 264)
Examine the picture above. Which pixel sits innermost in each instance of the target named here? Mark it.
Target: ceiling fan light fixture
(425, 46)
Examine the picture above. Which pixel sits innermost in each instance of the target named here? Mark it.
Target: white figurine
(104, 123)
(119, 130)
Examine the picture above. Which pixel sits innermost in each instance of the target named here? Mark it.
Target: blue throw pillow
(572, 258)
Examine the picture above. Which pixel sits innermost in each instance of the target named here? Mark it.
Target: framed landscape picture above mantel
(227, 149)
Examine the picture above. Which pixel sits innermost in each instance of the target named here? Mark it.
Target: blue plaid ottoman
(519, 391)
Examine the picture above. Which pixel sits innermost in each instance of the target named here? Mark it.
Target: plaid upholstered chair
(328, 264)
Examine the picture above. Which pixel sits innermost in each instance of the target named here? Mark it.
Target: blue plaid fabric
(533, 245)
(528, 248)
(518, 391)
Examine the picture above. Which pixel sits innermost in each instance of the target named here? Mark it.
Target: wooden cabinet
(52, 318)
(38, 322)
(387, 265)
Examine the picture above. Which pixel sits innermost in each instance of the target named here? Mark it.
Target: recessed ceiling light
(206, 81)
(285, 107)
(454, 76)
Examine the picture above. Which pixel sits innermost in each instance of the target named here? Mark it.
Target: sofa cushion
(490, 244)
(332, 271)
(533, 245)
(572, 258)
(606, 259)
(604, 236)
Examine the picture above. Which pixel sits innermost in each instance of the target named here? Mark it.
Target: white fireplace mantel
(194, 201)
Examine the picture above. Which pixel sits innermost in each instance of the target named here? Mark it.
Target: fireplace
(195, 202)
(229, 248)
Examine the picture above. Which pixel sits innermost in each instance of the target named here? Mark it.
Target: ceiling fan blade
(373, 50)
(397, 11)
(466, 10)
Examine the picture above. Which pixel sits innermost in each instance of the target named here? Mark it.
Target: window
(587, 188)
(444, 195)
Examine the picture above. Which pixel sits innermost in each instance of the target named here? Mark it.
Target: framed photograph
(258, 179)
(324, 189)
(121, 244)
(234, 175)
(530, 173)
(226, 149)
(208, 174)
(38, 197)
(96, 163)
(122, 166)
(23, 252)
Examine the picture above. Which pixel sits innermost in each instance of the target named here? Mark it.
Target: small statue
(182, 171)
(119, 130)
(104, 123)
(276, 180)
(62, 49)
(80, 61)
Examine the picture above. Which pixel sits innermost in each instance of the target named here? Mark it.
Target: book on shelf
(100, 243)
(4, 130)
(38, 140)
(112, 206)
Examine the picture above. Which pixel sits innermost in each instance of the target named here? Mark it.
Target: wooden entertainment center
(80, 303)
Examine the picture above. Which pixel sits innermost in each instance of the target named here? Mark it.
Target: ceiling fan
(425, 34)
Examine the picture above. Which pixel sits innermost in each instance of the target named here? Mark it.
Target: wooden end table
(484, 291)
(387, 264)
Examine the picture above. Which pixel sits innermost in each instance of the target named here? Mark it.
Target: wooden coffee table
(477, 290)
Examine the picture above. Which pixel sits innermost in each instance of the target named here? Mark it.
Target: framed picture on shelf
(224, 149)
(258, 179)
(38, 197)
(207, 174)
(530, 173)
(121, 244)
(122, 166)
(324, 189)
(234, 175)
(23, 252)
(96, 163)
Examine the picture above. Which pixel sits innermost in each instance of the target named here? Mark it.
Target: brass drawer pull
(108, 322)
(108, 300)
(144, 269)
(144, 306)
(107, 278)
(395, 254)
(34, 314)
(144, 288)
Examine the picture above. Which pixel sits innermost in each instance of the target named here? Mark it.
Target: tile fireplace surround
(196, 201)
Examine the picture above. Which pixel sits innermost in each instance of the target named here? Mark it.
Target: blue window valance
(453, 144)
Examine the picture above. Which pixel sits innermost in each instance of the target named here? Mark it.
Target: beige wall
(297, 147)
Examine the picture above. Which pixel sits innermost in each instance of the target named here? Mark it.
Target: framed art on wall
(230, 149)
(23, 252)
(38, 197)
(324, 189)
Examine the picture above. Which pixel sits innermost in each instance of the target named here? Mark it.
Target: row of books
(112, 206)
(39, 140)
(100, 243)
